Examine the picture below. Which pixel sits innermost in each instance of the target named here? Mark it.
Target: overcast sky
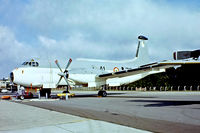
(102, 29)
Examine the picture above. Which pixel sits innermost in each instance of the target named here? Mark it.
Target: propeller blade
(59, 81)
(58, 65)
(63, 74)
(67, 81)
(68, 64)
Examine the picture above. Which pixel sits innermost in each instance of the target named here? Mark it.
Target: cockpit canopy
(31, 63)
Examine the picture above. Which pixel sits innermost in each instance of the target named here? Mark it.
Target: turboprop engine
(64, 74)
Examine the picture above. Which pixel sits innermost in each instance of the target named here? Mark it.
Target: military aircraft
(93, 72)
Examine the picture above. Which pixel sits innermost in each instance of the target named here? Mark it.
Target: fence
(155, 88)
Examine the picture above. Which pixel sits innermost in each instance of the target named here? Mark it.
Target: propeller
(64, 74)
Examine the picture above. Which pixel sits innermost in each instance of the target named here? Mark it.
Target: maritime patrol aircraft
(93, 72)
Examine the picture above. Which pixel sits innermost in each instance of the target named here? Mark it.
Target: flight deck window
(37, 64)
(25, 63)
(33, 63)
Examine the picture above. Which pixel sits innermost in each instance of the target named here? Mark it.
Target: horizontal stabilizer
(179, 55)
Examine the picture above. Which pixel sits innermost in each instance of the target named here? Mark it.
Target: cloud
(104, 29)
(46, 42)
(10, 48)
(117, 23)
(12, 51)
(78, 46)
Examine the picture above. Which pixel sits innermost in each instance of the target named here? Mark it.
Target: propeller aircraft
(93, 72)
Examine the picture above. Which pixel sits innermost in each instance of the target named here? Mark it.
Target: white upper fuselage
(81, 71)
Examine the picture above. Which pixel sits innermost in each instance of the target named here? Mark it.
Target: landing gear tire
(102, 93)
(21, 97)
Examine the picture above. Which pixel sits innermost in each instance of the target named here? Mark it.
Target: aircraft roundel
(115, 69)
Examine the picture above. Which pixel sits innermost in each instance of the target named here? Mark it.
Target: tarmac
(120, 111)
(168, 112)
(20, 118)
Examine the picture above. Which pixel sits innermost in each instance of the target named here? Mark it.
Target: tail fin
(142, 51)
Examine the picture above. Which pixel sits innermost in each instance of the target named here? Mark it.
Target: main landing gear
(102, 93)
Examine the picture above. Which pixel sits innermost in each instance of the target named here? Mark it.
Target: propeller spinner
(64, 74)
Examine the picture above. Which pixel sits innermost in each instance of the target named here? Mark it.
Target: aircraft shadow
(95, 95)
(86, 95)
(111, 95)
(131, 96)
(162, 103)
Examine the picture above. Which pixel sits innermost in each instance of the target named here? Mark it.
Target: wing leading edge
(157, 66)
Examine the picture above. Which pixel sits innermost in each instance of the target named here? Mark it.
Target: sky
(101, 29)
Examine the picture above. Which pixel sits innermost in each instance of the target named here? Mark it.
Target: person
(20, 92)
(23, 90)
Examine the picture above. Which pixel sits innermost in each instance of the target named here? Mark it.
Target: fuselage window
(102, 68)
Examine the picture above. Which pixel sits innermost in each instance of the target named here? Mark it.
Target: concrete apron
(20, 118)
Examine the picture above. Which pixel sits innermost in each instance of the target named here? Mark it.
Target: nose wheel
(102, 93)
(67, 89)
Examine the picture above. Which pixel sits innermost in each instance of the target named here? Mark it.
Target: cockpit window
(32, 63)
(25, 63)
(35, 64)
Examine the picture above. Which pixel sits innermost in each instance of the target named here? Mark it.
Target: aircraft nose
(12, 76)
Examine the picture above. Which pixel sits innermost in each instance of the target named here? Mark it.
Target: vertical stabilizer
(142, 51)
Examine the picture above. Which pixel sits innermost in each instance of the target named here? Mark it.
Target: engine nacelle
(179, 55)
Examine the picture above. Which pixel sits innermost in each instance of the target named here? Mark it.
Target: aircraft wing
(157, 66)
